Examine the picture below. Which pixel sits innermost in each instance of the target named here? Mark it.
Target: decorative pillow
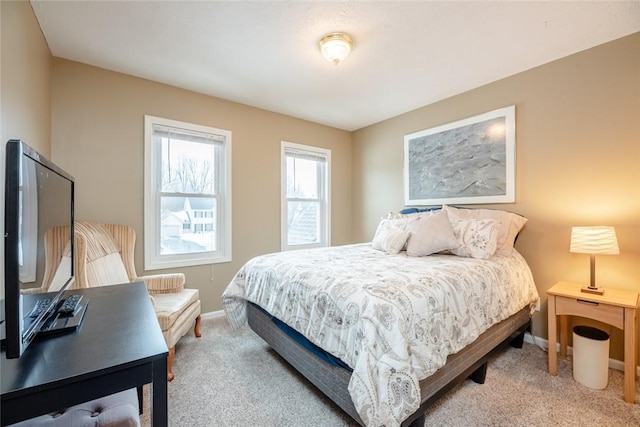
(431, 234)
(394, 215)
(391, 240)
(510, 224)
(412, 213)
(478, 238)
(403, 223)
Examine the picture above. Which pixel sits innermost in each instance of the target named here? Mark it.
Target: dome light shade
(335, 46)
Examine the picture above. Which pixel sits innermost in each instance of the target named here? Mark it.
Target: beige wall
(25, 74)
(578, 162)
(25, 87)
(98, 137)
(578, 152)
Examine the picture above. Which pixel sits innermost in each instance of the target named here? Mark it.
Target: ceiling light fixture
(335, 46)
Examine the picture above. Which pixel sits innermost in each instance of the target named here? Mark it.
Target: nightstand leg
(553, 338)
(630, 322)
(564, 325)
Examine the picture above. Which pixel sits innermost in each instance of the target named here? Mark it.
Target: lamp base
(592, 290)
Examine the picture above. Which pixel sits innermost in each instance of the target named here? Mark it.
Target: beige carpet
(232, 378)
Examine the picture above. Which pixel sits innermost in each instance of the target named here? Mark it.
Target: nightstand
(615, 307)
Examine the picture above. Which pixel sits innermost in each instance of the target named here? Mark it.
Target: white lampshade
(335, 46)
(594, 240)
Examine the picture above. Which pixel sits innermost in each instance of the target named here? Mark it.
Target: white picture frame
(469, 161)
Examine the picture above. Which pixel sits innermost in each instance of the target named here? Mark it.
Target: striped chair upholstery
(104, 255)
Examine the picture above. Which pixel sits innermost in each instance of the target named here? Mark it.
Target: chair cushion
(169, 307)
(183, 324)
(116, 410)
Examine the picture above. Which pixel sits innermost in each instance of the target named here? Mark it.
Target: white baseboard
(618, 365)
(213, 314)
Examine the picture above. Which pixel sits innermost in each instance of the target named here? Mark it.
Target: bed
(381, 328)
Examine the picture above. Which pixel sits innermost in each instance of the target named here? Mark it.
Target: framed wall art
(465, 162)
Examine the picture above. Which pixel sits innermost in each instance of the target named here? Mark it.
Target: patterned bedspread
(393, 318)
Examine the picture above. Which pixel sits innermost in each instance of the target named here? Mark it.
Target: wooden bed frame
(470, 362)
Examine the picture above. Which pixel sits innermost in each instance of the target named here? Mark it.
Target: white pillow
(431, 234)
(403, 223)
(509, 225)
(391, 240)
(422, 214)
(478, 238)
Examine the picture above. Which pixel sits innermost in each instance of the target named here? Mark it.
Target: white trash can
(591, 357)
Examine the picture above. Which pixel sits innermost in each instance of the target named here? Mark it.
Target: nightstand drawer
(618, 308)
(610, 314)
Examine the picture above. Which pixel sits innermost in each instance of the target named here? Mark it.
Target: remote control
(41, 305)
(69, 305)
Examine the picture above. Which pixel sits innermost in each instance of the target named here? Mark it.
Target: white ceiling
(265, 54)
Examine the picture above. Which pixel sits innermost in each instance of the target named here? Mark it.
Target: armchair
(104, 256)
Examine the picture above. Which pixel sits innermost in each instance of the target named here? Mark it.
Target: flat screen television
(39, 198)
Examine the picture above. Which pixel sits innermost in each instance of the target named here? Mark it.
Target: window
(306, 180)
(187, 207)
(28, 231)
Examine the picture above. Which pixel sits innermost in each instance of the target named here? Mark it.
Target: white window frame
(152, 181)
(324, 194)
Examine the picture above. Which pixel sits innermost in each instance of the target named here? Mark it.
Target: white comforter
(392, 318)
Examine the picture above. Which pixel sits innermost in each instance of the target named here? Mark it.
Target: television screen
(38, 204)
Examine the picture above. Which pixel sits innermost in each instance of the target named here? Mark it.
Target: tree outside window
(187, 194)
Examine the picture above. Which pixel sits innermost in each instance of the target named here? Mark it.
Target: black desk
(119, 346)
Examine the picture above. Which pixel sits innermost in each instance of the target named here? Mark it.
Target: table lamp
(594, 241)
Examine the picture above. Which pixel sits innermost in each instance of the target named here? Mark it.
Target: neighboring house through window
(187, 205)
(306, 211)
